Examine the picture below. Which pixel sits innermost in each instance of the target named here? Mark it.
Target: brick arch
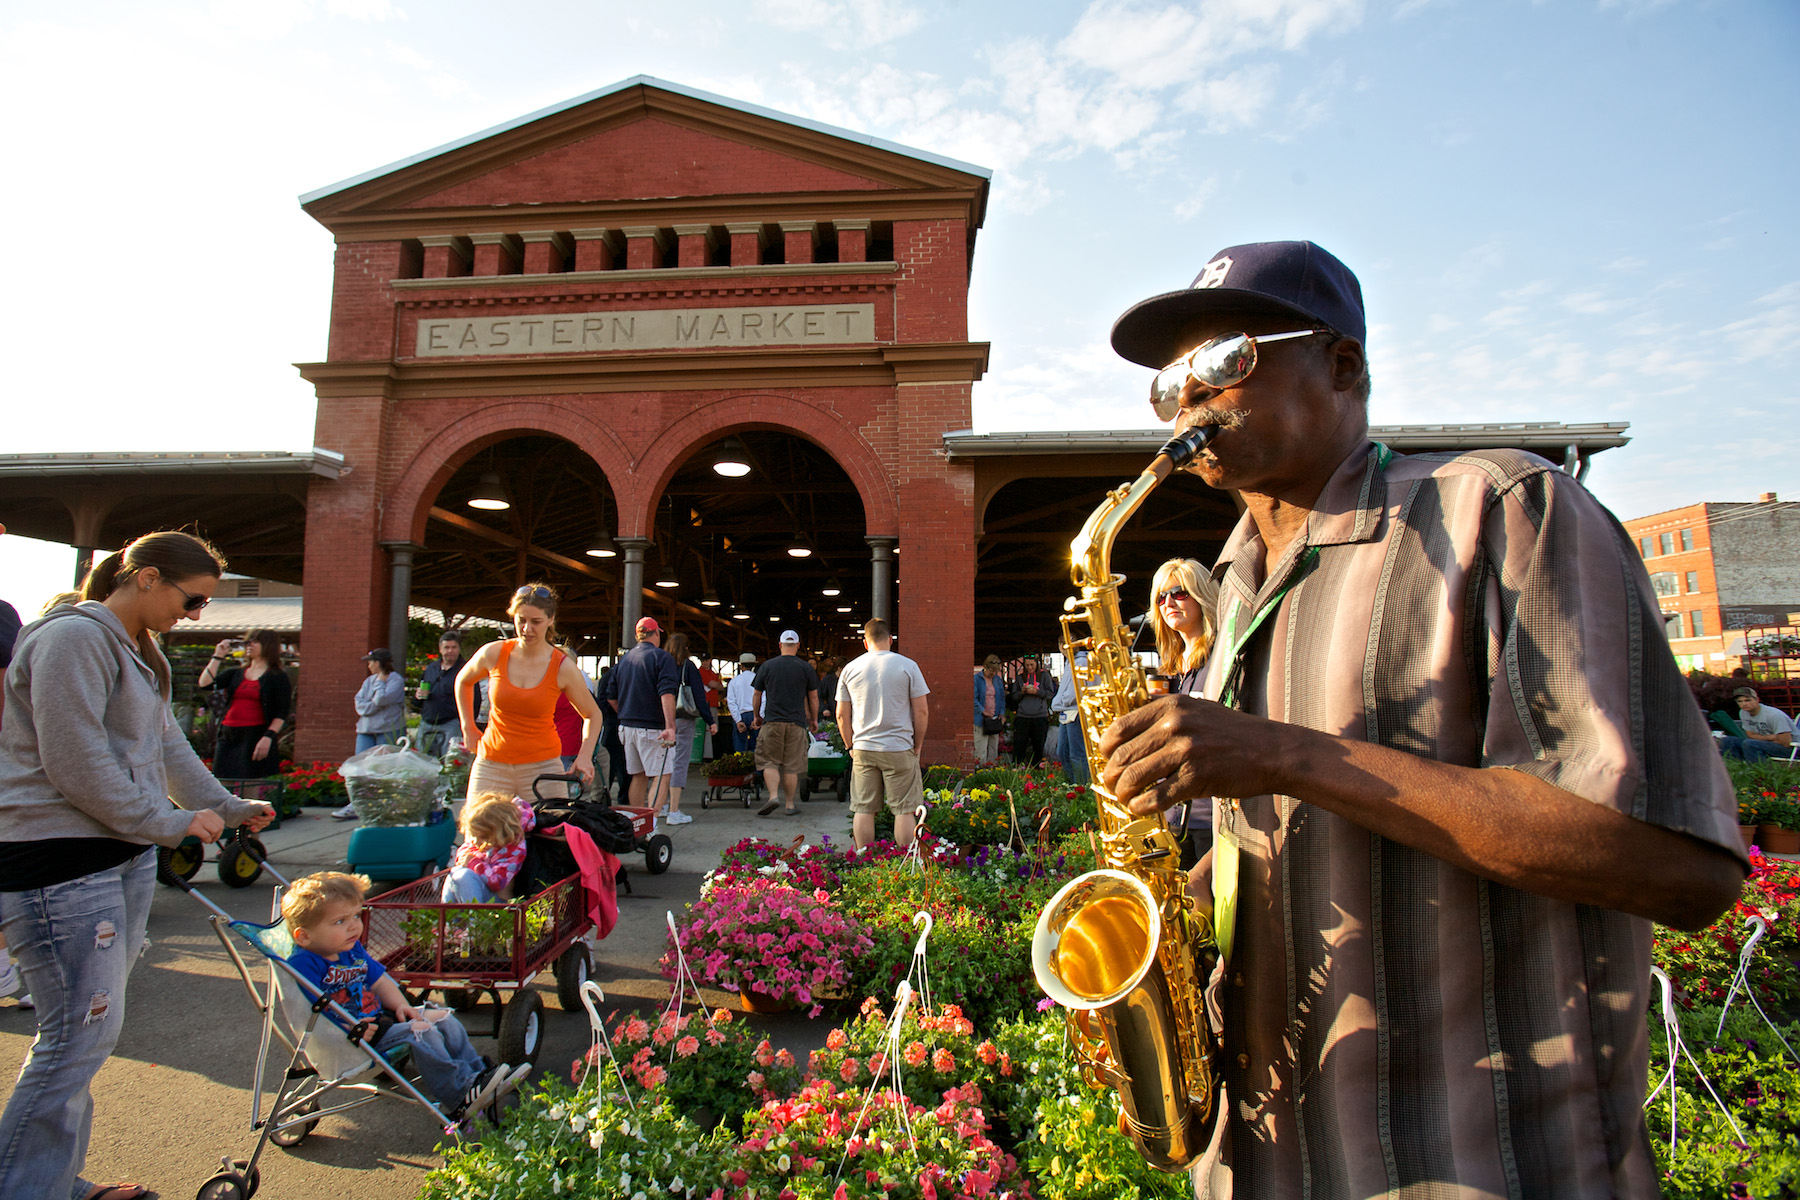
(785, 414)
(408, 502)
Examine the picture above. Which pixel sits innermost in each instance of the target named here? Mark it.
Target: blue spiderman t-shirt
(349, 979)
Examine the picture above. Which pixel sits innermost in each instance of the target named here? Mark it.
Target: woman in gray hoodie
(90, 757)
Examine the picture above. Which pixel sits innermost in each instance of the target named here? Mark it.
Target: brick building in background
(1720, 569)
(565, 322)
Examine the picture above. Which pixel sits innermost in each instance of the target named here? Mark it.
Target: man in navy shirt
(641, 689)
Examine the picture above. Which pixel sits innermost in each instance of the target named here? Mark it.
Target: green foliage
(980, 948)
(696, 1061)
(560, 1143)
(1068, 1135)
(942, 775)
(476, 931)
(742, 762)
(1760, 1086)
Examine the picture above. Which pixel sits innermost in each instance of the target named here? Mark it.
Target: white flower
(677, 1185)
(595, 1138)
(625, 1183)
(578, 1124)
(782, 1163)
(556, 1112)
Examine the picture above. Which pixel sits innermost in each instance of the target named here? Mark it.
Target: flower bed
(315, 783)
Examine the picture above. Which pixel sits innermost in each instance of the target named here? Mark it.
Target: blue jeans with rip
(75, 943)
(442, 1056)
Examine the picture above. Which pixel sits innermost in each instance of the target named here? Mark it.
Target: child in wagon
(494, 826)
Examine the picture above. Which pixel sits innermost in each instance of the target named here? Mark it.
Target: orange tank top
(521, 721)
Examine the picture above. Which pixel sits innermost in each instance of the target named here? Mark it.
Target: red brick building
(1720, 569)
(583, 308)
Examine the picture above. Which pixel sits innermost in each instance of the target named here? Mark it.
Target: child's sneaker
(9, 975)
(346, 813)
(25, 1000)
(481, 1091)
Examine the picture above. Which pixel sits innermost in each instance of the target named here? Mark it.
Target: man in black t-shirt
(785, 695)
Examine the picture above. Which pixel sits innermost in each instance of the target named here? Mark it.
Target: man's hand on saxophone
(1179, 748)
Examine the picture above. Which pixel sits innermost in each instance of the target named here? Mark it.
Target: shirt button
(1244, 1062)
(1238, 979)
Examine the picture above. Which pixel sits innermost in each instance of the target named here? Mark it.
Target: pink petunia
(914, 1053)
(687, 1045)
(942, 1061)
(849, 1071)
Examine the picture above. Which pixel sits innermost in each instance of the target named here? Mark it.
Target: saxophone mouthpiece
(1182, 448)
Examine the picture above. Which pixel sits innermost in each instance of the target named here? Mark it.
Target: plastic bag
(821, 749)
(393, 785)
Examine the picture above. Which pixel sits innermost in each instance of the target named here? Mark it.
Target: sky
(1571, 210)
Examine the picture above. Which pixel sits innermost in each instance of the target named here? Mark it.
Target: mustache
(1224, 418)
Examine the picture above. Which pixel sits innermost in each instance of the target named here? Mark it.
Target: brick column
(644, 246)
(695, 244)
(496, 253)
(801, 238)
(595, 249)
(446, 255)
(746, 243)
(545, 251)
(853, 240)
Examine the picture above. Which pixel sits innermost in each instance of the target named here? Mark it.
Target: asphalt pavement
(175, 1096)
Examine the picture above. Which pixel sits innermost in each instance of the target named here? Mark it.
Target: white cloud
(364, 10)
(844, 24)
(1772, 333)
(1197, 196)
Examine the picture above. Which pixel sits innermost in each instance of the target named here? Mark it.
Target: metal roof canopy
(326, 463)
(648, 81)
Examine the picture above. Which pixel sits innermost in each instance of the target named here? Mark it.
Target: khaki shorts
(893, 774)
(782, 745)
(515, 779)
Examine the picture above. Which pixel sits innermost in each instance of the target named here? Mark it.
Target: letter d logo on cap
(1213, 274)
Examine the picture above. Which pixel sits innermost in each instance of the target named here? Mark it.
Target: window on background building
(1672, 625)
(1697, 622)
(1687, 539)
(1693, 581)
(1644, 547)
(1666, 542)
(1665, 583)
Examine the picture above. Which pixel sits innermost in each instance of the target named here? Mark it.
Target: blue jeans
(1071, 751)
(435, 738)
(1751, 750)
(75, 943)
(366, 740)
(442, 1056)
(463, 886)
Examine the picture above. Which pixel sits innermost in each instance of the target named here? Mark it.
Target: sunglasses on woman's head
(1219, 363)
(533, 593)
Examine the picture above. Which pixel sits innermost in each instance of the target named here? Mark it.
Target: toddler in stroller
(323, 915)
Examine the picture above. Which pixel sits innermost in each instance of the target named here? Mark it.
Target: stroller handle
(577, 787)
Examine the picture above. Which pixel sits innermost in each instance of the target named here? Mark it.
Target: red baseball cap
(648, 625)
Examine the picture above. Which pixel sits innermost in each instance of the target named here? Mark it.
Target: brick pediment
(642, 141)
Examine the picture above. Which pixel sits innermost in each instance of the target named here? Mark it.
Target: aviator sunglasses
(533, 593)
(1219, 363)
(1171, 595)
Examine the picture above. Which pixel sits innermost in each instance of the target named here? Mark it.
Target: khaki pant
(782, 745)
(890, 774)
(515, 779)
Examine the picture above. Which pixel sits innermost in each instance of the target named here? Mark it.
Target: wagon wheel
(571, 972)
(522, 1029)
(659, 852)
(240, 865)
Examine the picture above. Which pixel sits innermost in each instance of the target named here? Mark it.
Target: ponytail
(175, 555)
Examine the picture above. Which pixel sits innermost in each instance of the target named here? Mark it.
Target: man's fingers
(1134, 724)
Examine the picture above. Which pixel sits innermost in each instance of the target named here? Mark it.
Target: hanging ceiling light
(731, 461)
(798, 548)
(774, 616)
(710, 599)
(832, 587)
(843, 608)
(739, 613)
(666, 576)
(490, 493)
(604, 546)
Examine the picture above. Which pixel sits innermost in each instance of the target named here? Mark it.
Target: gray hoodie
(80, 689)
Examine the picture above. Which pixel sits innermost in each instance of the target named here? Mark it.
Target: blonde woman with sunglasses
(1182, 599)
(526, 674)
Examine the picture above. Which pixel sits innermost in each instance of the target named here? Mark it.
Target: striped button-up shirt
(1395, 1026)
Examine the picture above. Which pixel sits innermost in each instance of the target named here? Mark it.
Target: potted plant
(775, 945)
(1779, 829)
(731, 770)
(1749, 800)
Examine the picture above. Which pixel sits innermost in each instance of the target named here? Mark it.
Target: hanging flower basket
(754, 999)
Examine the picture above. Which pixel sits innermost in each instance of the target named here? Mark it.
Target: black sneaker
(481, 1089)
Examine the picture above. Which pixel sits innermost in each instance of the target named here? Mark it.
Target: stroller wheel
(231, 1185)
(174, 865)
(293, 1135)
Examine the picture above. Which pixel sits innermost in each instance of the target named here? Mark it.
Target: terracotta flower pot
(756, 1001)
(1748, 833)
(1776, 840)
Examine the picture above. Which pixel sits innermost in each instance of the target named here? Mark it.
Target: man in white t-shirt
(882, 712)
(1768, 732)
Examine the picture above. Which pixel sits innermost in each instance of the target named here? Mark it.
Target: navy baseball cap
(1300, 279)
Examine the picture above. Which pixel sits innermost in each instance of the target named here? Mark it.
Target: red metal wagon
(467, 951)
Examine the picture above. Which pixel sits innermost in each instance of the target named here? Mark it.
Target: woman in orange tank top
(526, 674)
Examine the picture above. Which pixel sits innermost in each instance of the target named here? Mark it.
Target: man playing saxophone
(1470, 775)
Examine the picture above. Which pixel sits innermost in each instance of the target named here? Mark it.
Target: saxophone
(1120, 947)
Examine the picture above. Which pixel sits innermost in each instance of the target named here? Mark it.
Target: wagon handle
(571, 777)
